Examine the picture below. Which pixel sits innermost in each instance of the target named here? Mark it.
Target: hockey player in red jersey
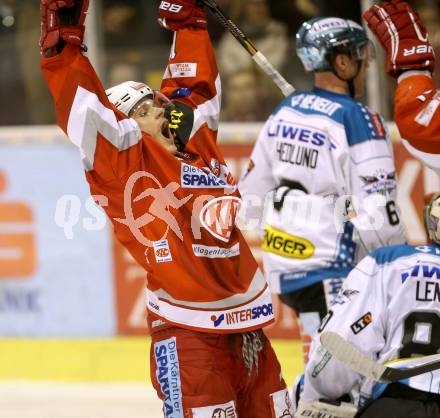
(152, 159)
(410, 59)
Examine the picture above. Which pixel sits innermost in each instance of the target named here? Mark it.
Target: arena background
(73, 341)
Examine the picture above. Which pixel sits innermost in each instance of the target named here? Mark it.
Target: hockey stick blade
(285, 87)
(351, 356)
(348, 354)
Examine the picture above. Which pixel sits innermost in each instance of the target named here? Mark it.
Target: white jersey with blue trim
(389, 307)
(324, 163)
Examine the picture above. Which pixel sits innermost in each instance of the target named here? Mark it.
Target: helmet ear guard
(431, 217)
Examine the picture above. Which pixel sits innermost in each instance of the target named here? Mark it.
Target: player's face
(359, 81)
(366, 55)
(151, 120)
(355, 67)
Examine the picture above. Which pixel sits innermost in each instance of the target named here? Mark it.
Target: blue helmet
(320, 38)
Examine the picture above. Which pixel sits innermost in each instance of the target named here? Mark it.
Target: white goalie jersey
(321, 159)
(389, 308)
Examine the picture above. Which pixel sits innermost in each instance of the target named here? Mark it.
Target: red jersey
(175, 215)
(417, 115)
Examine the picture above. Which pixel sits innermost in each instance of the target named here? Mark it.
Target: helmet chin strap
(351, 87)
(350, 81)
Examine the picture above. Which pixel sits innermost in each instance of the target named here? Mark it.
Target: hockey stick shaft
(285, 87)
(400, 374)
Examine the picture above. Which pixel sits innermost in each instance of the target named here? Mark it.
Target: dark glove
(401, 32)
(178, 14)
(61, 19)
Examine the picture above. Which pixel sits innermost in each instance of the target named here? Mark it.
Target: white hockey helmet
(432, 219)
(127, 95)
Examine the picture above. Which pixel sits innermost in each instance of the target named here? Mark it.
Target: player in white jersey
(389, 308)
(325, 161)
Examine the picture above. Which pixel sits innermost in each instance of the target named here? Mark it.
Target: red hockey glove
(62, 19)
(402, 34)
(178, 14)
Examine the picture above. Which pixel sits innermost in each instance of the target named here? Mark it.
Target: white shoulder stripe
(431, 160)
(89, 116)
(424, 118)
(208, 112)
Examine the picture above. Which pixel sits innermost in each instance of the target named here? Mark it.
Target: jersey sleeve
(417, 115)
(110, 143)
(192, 82)
(372, 182)
(258, 179)
(357, 316)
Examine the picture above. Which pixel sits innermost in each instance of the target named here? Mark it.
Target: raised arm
(410, 58)
(191, 79)
(417, 114)
(109, 142)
